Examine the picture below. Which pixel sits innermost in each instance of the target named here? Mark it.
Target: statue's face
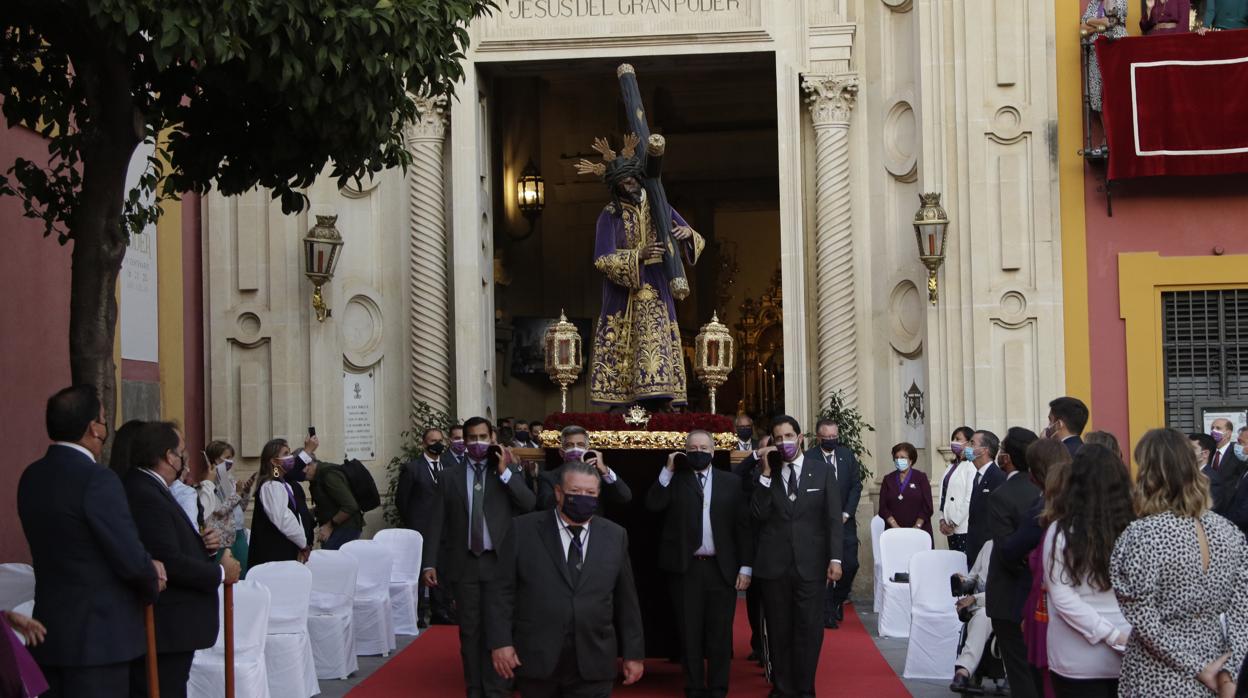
(629, 188)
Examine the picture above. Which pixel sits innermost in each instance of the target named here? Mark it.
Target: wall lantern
(321, 248)
(931, 226)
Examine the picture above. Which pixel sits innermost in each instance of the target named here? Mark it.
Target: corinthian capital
(830, 97)
(430, 118)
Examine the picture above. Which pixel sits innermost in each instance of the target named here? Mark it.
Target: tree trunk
(100, 238)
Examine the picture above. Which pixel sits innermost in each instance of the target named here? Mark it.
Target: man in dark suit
(1227, 469)
(706, 548)
(796, 505)
(744, 425)
(574, 448)
(472, 514)
(1012, 509)
(563, 594)
(1067, 418)
(186, 612)
(982, 453)
(748, 470)
(457, 449)
(93, 575)
(844, 467)
(1237, 502)
(414, 496)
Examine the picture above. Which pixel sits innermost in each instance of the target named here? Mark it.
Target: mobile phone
(311, 432)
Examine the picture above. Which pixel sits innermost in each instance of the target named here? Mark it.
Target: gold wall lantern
(321, 248)
(931, 227)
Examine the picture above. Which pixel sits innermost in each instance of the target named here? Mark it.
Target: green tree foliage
(852, 428)
(423, 417)
(234, 94)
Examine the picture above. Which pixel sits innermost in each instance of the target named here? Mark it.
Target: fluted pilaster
(831, 99)
(428, 285)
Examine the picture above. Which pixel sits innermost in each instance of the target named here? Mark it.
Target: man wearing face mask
(1237, 504)
(796, 506)
(1067, 418)
(94, 574)
(186, 612)
(523, 437)
(563, 594)
(982, 453)
(744, 425)
(472, 514)
(706, 548)
(414, 495)
(844, 467)
(457, 449)
(1227, 469)
(574, 448)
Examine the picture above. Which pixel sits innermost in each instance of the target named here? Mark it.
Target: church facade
(842, 113)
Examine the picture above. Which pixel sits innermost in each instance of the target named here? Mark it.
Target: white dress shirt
(707, 547)
(1083, 620)
(796, 468)
(275, 495)
(77, 447)
(565, 536)
(485, 526)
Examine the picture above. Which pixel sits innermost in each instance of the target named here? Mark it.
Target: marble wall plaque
(359, 415)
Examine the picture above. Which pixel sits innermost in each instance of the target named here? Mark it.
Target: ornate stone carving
(830, 98)
(428, 283)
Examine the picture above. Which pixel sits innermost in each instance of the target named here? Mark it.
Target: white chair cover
(288, 651)
(897, 546)
(374, 622)
(877, 527)
(934, 624)
(405, 546)
(331, 613)
(251, 621)
(17, 585)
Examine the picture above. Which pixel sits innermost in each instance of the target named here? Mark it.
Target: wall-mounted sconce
(321, 247)
(931, 226)
(530, 196)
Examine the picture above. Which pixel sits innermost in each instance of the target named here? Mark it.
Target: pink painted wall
(34, 325)
(1176, 217)
(193, 329)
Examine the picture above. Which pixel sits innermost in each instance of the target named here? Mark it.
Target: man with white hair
(574, 448)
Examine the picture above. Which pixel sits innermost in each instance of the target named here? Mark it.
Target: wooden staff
(153, 676)
(229, 639)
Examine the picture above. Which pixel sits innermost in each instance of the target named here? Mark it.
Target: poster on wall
(359, 415)
(139, 309)
(1237, 415)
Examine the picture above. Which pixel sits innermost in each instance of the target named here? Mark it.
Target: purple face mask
(788, 450)
(1217, 435)
(286, 462)
(458, 447)
(477, 450)
(573, 454)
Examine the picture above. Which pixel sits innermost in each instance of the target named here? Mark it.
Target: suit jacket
(533, 605)
(617, 492)
(1237, 504)
(186, 612)
(1009, 580)
(446, 545)
(416, 491)
(93, 575)
(804, 534)
(1072, 444)
(681, 504)
(1224, 482)
(977, 530)
(848, 482)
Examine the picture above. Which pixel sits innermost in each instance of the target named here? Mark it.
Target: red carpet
(849, 666)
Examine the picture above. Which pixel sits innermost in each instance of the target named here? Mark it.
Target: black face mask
(745, 433)
(579, 508)
(829, 444)
(699, 460)
(522, 436)
(436, 449)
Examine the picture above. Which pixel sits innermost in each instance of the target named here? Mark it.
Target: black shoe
(753, 657)
(422, 624)
(840, 612)
(960, 683)
(830, 623)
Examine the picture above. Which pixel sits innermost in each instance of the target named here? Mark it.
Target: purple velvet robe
(637, 351)
(1177, 12)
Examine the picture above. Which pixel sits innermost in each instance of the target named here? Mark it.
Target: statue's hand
(653, 251)
(682, 232)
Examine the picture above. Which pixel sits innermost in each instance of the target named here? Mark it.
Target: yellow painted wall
(169, 288)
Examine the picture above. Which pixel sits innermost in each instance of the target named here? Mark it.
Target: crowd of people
(1082, 583)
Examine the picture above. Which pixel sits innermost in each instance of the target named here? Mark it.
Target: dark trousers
(566, 681)
(1014, 655)
(754, 613)
(479, 676)
(341, 536)
(838, 593)
(705, 604)
(104, 681)
(173, 670)
(957, 541)
(435, 604)
(1083, 688)
(793, 608)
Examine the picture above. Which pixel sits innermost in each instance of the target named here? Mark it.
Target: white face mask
(901, 463)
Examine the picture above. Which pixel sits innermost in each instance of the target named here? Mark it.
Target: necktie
(477, 541)
(975, 487)
(702, 482)
(575, 561)
(792, 481)
(832, 462)
(1217, 460)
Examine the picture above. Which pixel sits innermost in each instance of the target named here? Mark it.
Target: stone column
(428, 283)
(831, 99)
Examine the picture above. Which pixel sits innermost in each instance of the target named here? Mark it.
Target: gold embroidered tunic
(636, 348)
